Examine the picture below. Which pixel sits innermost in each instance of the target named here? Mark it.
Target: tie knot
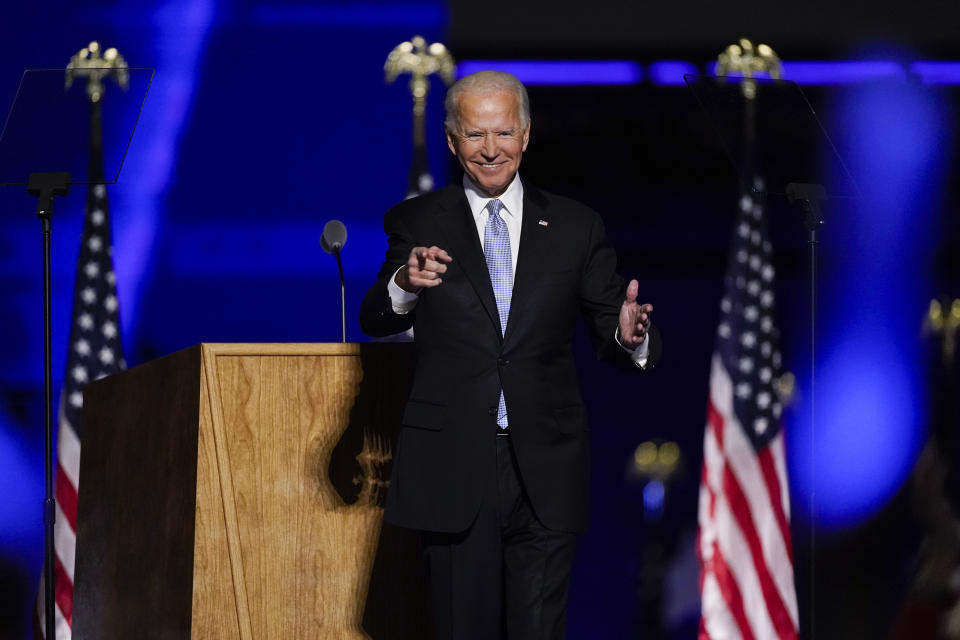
(494, 207)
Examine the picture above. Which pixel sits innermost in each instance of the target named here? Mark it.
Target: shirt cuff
(402, 300)
(639, 355)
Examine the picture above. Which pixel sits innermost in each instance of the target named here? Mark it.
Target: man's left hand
(634, 318)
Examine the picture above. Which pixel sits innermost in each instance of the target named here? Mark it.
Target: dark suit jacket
(446, 447)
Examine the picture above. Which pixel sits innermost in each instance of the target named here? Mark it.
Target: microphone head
(334, 236)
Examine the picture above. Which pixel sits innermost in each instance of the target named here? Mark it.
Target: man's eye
(506, 134)
(474, 135)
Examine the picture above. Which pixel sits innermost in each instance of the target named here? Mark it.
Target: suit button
(502, 362)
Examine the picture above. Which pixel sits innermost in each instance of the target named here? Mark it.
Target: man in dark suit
(492, 460)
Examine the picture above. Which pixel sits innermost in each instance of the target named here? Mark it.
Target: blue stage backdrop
(267, 118)
(264, 121)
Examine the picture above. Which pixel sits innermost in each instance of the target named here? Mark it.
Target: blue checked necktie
(496, 249)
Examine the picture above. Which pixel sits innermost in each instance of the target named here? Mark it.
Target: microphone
(333, 238)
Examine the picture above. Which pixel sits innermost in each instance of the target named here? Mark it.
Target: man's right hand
(423, 268)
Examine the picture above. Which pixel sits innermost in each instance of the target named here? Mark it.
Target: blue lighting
(282, 249)
(653, 494)
(841, 72)
(936, 72)
(869, 429)
(21, 518)
(418, 16)
(560, 72)
(181, 31)
(871, 409)
(669, 72)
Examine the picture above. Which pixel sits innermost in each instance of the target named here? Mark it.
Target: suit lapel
(534, 239)
(456, 221)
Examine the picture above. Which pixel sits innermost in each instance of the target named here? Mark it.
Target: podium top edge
(281, 348)
(285, 348)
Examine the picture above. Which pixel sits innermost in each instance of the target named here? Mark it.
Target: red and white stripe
(64, 532)
(746, 587)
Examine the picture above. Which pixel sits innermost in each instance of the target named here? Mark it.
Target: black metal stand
(343, 298)
(333, 238)
(809, 197)
(45, 186)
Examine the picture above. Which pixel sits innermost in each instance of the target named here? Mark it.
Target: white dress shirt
(512, 214)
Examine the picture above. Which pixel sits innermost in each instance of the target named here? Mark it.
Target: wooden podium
(231, 491)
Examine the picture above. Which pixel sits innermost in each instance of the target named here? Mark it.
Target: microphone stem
(343, 298)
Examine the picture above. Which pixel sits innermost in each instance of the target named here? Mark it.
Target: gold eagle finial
(90, 63)
(421, 61)
(747, 60)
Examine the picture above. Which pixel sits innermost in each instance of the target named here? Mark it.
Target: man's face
(490, 140)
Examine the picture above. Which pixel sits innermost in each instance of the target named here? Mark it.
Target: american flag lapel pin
(543, 223)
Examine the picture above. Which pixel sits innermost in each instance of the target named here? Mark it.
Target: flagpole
(732, 376)
(420, 61)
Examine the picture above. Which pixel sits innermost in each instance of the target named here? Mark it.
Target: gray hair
(483, 82)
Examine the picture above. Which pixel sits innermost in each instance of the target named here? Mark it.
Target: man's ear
(450, 142)
(526, 138)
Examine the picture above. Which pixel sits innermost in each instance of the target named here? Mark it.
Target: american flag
(94, 352)
(746, 556)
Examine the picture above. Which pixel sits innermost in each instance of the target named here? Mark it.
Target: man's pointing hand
(423, 268)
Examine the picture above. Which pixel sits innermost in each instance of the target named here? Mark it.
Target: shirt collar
(512, 198)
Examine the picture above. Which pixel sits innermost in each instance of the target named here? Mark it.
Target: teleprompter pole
(45, 186)
(809, 197)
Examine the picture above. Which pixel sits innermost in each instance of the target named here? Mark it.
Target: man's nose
(490, 146)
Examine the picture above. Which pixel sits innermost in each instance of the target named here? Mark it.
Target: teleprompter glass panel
(53, 125)
(775, 134)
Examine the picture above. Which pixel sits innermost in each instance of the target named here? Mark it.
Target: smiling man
(492, 462)
(488, 132)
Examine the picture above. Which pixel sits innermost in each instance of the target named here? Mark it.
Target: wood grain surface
(306, 556)
(244, 534)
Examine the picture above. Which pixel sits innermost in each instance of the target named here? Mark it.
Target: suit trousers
(507, 576)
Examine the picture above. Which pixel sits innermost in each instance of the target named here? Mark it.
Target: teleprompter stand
(769, 129)
(44, 186)
(46, 145)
